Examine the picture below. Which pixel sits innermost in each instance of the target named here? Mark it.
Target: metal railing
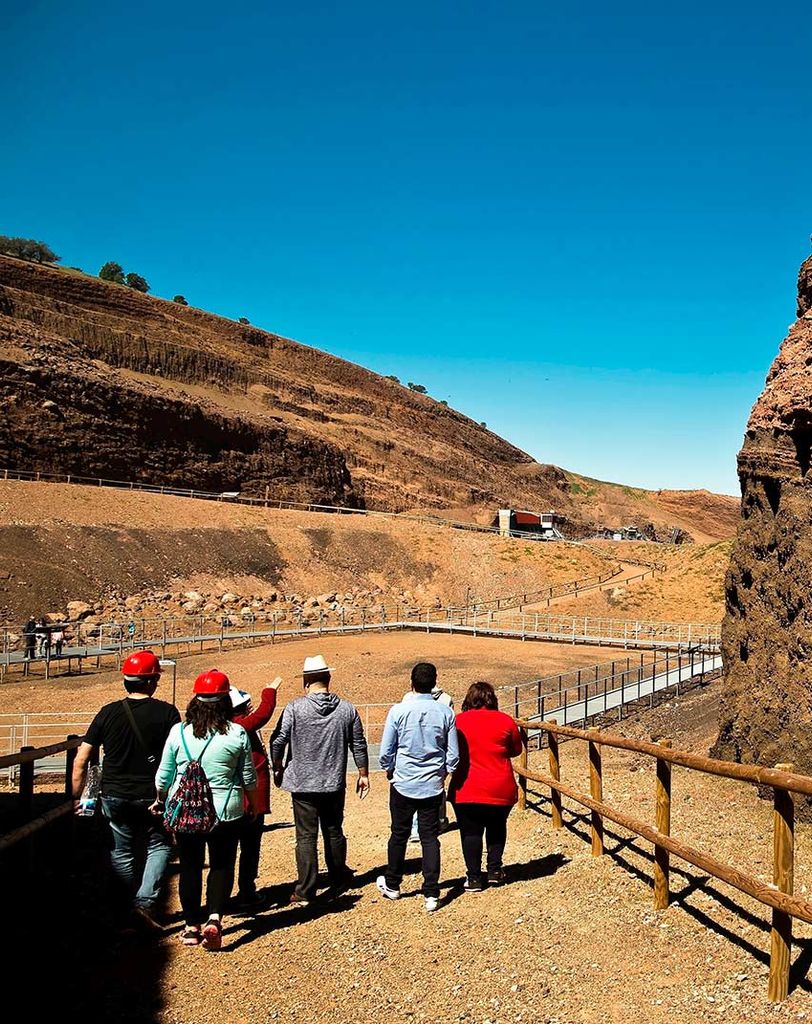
(168, 635)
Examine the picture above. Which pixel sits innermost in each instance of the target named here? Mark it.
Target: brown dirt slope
(65, 542)
(692, 588)
(98, 379)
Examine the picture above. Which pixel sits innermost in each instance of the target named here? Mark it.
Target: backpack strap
(151, 758)
(199, 757)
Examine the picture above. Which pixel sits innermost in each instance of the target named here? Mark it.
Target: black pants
(311, 811)
(474, 820)
(402, 809)
(222, 845)
(250, 843)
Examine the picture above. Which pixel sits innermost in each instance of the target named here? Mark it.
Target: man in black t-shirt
(132, 733)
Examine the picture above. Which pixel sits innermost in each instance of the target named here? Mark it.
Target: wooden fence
(26, 759)
(781, 779)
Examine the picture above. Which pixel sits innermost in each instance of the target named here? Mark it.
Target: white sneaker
(432, 903)
(390, 894)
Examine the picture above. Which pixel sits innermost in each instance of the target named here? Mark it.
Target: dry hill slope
(63, 542)
(99, 379)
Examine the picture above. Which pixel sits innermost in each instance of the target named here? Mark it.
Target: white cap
(315, 664)
(238, 696)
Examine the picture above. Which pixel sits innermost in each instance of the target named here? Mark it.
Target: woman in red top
(483, 788)
(252, 720)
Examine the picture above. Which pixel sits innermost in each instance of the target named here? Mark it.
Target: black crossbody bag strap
(151, 758)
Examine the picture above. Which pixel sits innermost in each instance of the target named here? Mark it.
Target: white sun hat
(238, 696)
(315, 664)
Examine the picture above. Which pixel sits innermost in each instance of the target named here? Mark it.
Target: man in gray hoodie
(309, 751)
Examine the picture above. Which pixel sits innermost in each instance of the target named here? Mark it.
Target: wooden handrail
(26, 756)
(24, 831)
(757, 775)
(761, 891)
(781, 779)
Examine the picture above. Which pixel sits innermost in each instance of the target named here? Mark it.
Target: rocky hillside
(767, 703)
(100, 380)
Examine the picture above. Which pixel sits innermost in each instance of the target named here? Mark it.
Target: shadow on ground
(68, 952)
(631, 854)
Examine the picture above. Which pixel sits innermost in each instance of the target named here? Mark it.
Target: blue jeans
(141, 849)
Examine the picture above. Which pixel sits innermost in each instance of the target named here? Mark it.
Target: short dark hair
(141, 684)
(424, 677)
(480, 695)
(320, 678)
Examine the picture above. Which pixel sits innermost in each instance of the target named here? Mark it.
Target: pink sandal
(190, 936)
(212, 935)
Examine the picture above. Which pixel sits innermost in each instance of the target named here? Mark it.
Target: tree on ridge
(112, 272)
(28, 249)
(137, 282)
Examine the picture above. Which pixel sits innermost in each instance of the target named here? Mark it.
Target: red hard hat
(212, 684)
(141, 663)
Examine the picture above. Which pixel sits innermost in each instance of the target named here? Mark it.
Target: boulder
(79, 610)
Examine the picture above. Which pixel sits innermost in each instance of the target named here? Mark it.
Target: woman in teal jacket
(223, 750)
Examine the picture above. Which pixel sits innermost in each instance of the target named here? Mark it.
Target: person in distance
(222, 750)
(483, 788)
(418, 751)
(132, 733)
(309, 751)
(252, 720)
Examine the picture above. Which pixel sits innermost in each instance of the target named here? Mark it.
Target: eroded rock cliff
(766, 711)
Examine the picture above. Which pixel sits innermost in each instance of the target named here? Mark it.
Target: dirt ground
(370, 668)
(571, 938)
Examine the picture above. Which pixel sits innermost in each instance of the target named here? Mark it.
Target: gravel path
(571, 938)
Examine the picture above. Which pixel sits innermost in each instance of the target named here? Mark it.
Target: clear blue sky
(580, 223)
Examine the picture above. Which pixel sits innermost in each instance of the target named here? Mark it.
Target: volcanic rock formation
(767, 634)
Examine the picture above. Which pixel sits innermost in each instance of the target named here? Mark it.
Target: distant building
(521, 523)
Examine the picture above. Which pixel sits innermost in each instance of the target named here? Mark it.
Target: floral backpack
(191, 806)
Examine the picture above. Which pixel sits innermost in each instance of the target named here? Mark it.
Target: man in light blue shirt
(418, 750)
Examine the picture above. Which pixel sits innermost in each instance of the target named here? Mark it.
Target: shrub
(391, 376)
(417, 387)
(28, 249)
(180, 300)
(137, 282)
(444, 402)
(112, 272)
(243, 320)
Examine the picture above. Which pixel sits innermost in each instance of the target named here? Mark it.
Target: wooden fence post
(555, 771)
(70, 757)
(596, 790)
(783, 871)
(26, 787)
(662, 858)
(523, 766)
